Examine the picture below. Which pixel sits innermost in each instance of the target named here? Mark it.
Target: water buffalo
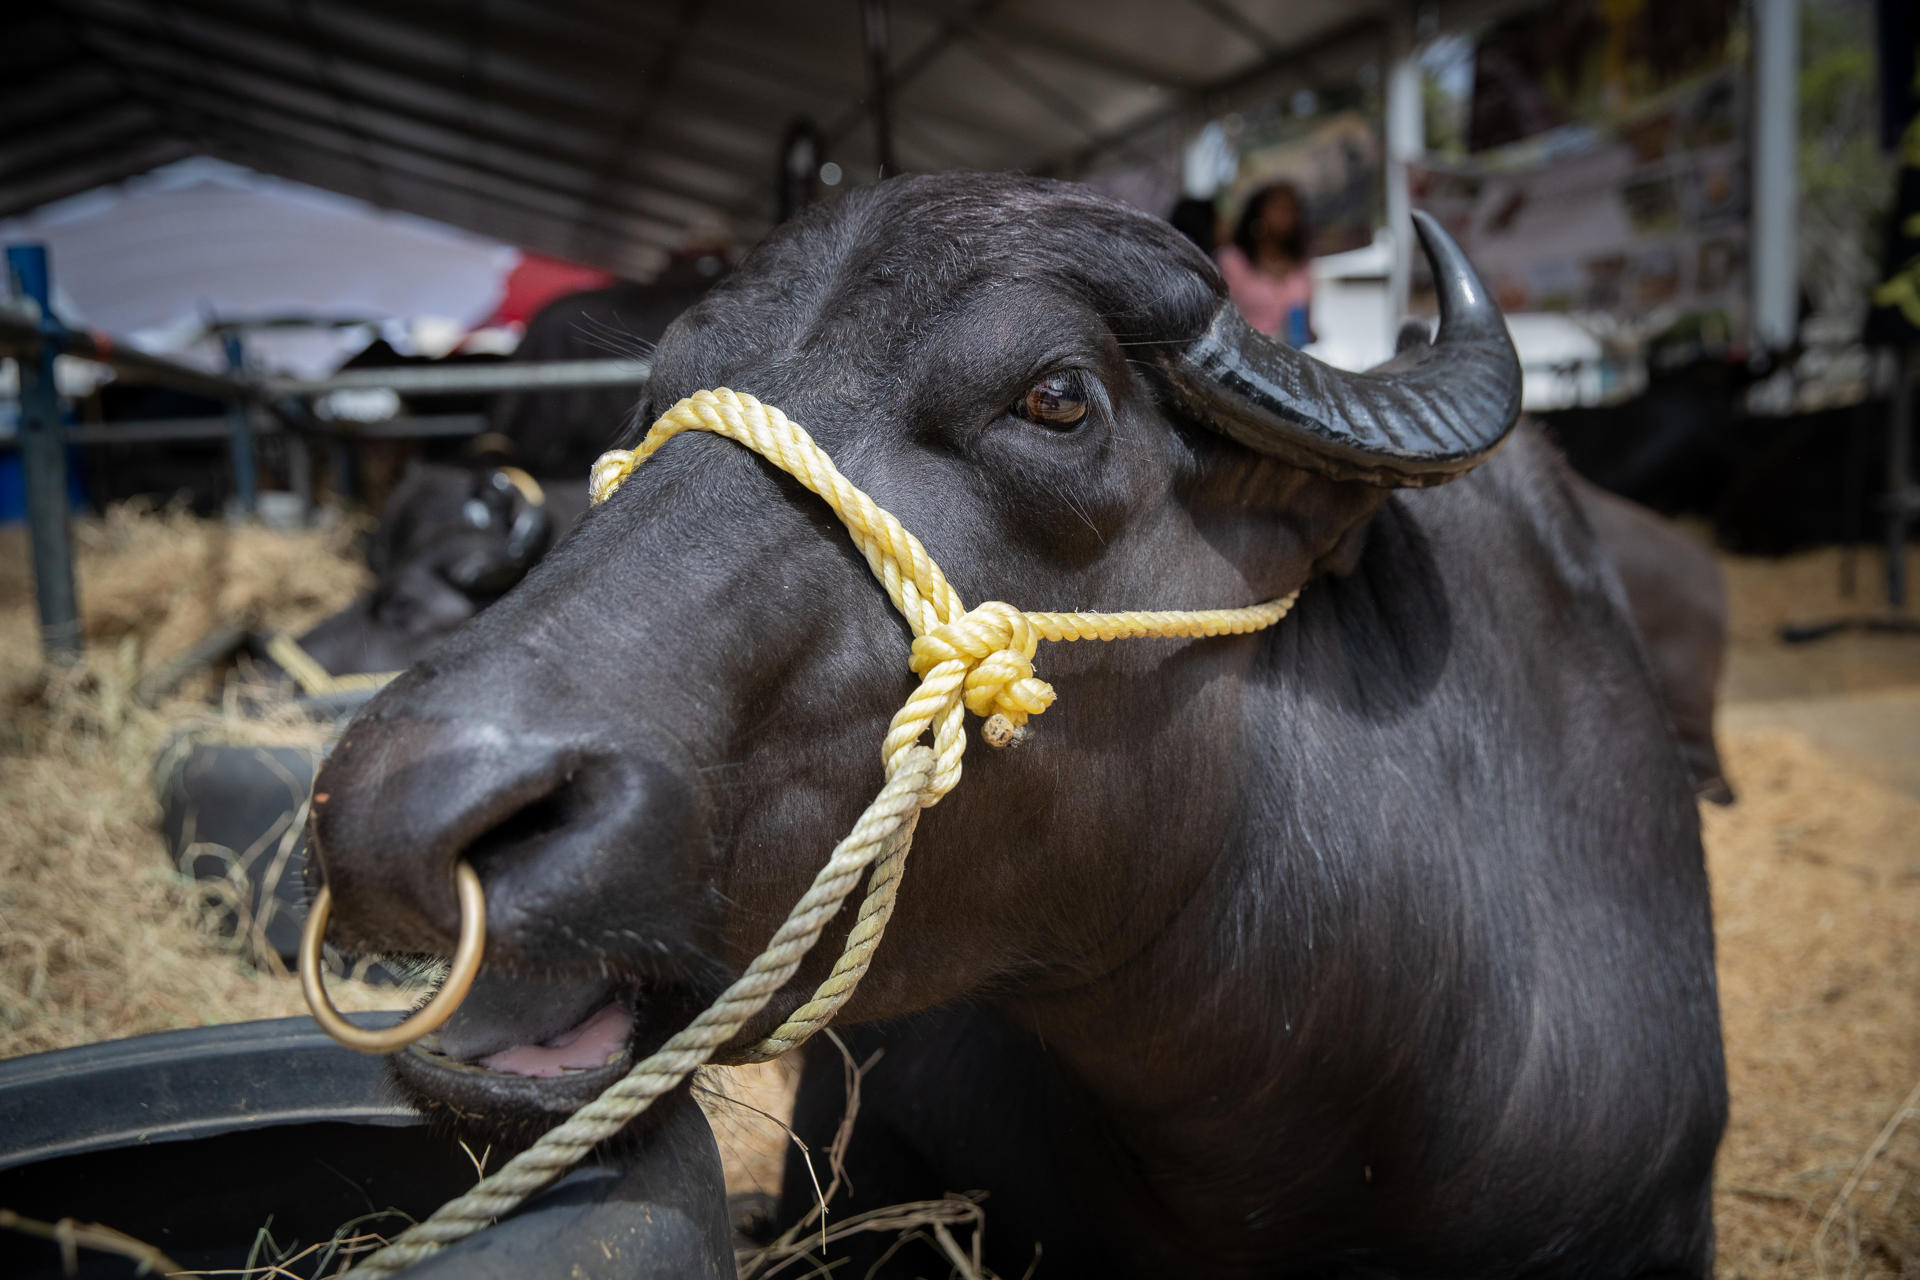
(1678, 605)
(1679, 608)
(1376, 943)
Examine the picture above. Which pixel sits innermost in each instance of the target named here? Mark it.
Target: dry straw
(1816, 876)
(100, 937)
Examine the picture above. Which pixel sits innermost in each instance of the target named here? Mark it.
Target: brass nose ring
(430, 1016)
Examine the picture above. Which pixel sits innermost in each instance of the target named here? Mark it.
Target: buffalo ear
(1432, 413)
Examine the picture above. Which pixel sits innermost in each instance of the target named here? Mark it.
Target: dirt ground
(1816, 874)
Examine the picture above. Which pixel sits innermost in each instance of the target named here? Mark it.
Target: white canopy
(156, 259)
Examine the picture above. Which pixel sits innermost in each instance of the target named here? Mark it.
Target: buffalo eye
(1058, 401)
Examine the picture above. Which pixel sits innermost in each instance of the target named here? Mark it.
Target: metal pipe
(43, 459)
(1405, 141)
(1776, 186)
(548, 375)
(874, 16)
(1903, 496)
(176, 430)
(20, 332)
(299, 471)
(246, 481)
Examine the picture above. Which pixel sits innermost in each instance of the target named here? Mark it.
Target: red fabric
(537, 280)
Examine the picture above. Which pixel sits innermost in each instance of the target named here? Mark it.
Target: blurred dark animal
(195, 472)
(451, 540)
(377, 463)
(560, 433)
(1768, 485)
(1674, 594)
(1679, 608)
(1373, 944)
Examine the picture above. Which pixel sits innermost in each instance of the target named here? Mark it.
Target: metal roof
(606, 130)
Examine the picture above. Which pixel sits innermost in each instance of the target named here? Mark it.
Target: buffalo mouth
(523, 1051)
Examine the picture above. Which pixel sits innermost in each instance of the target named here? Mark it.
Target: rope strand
(978, 660)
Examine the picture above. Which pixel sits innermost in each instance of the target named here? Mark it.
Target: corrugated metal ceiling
(602, 130)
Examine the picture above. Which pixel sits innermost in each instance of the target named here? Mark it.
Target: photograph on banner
(1642, 222)
(1333, 161)
(1592, 63)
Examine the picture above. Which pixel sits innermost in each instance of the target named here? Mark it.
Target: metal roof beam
(55, 93)
(992, 53)
(51, 182)
(584, 73)
(320, 50)
(449, 144)
(1224, 13)
(240, 35)
(455, 173)
(911, 67)
(449, 177)
(104, 124)
(376, 115)
(1063, 44)
(634, 124)
(747, 103)
(1218, 96)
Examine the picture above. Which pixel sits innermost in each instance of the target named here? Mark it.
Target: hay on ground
(1816, 883)
(100, 937)
(1816, 876)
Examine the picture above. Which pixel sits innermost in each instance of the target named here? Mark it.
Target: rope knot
(995, 644)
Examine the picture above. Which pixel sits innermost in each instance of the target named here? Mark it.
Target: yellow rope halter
(995, 642)
(978, 660)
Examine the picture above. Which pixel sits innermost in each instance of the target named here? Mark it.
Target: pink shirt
(1263, 299)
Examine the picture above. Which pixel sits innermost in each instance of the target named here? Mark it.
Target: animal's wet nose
(544, 819)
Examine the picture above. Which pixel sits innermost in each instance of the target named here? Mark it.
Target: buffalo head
(647, 747)
(451, 541)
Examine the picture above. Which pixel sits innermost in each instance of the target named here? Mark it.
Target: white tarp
(153, 259)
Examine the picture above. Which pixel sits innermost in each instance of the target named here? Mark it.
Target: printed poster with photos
(1644, 222)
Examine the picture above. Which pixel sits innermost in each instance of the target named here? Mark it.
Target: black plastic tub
(196, 1142)
(233, 812)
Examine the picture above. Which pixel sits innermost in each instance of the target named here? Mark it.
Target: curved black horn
(1433, 415)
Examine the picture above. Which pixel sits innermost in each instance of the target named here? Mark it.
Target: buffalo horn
(1433, 414)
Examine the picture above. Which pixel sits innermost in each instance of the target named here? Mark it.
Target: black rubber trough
(233, 812)
(198, 1142)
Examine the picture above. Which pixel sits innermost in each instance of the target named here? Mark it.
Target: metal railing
(260, 406)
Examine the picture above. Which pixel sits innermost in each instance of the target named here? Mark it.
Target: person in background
(1266, 265)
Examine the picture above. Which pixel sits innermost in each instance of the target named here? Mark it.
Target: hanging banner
(1644, 222)
(1334, 164)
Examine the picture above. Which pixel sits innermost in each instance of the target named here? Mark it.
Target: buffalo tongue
(503, 1011)
(594, 1043)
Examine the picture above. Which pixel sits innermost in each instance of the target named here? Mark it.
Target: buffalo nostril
(573, 842)
(528, 827)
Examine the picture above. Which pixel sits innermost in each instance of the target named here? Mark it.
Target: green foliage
(1846, 181)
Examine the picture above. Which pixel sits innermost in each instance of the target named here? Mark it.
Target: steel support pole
(43, 459)
(873, 14)
(246, 486)
(1776, 180)
(1903, 497)
(18, 329)
(1405, 142)
(533, 375)
(299, 469)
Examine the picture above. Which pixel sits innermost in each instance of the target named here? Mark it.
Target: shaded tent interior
(609, 133)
